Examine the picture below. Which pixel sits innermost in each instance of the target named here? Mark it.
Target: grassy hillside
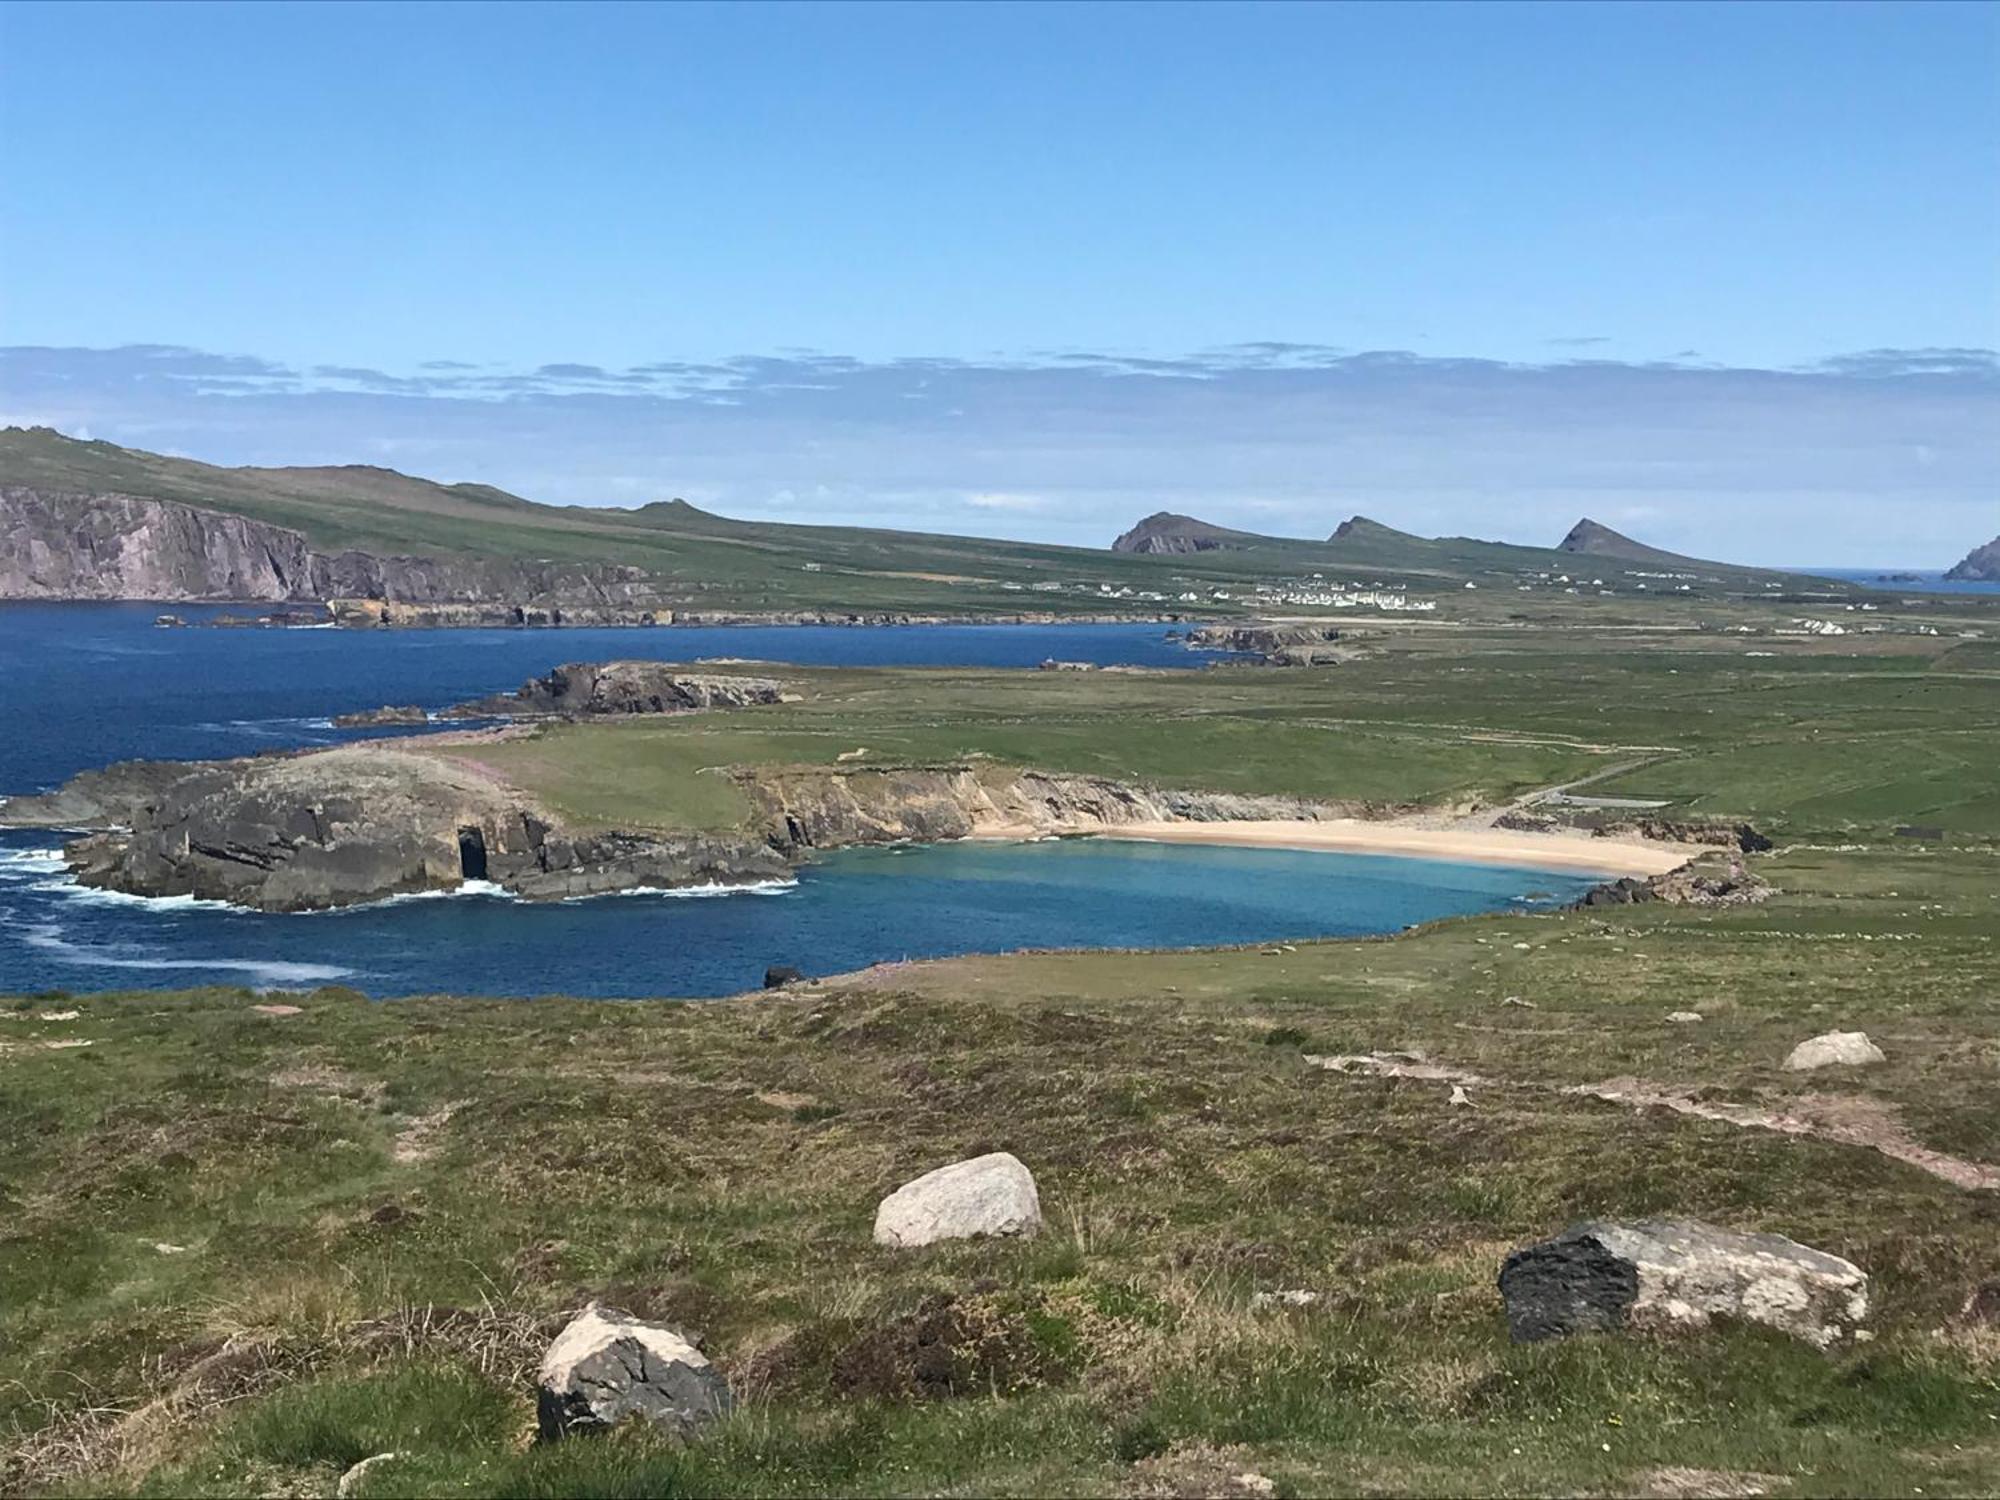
(705, 560)
(243, 1252)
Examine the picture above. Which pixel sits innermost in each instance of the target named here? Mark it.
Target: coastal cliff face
(1980, 565)
(828, 809)
(64, 544)
(361, 823)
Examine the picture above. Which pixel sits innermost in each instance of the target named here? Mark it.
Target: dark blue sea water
(88, 684)
(1928, 580)
(94, 683)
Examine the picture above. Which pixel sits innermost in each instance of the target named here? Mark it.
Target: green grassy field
(1804, 742)
(240, 1252)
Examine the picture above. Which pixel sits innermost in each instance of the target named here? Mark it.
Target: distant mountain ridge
(1980, 565)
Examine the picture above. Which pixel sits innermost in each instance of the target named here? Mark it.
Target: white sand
(1484, 846)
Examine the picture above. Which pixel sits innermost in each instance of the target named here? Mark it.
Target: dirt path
(1848, 1119)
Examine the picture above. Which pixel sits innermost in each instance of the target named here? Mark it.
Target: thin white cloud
(1882, 456)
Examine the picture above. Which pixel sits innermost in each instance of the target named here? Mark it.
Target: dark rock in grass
(950, 1346)
(1604, 1276)
(368, 718)
(607, 1366)
(779, 975)
(1982, 1306)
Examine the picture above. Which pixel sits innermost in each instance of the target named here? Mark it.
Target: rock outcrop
(608, 1367)
(1980, 565)
(390, 714)
(1294, 645)
(1605, 1276)
(340, 827)
(988, 1195)
(1846, 1049)
(1686, 886)
(589, 689)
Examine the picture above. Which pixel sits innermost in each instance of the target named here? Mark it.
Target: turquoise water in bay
(93, 683)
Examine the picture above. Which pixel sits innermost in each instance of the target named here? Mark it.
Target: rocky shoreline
(320, 829)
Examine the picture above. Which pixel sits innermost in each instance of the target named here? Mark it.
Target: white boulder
(987, 1195)
(1603, 1276)
(607, 1366)
(1834, 1048)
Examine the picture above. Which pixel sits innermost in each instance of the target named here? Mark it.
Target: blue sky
(394, 217)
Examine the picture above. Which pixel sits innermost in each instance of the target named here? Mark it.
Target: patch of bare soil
(1196, 1471)
(1677, 1483)
(1849, 1119)
(418, 1140)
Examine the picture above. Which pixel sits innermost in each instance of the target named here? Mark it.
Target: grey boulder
(607, 1366)
(1603, 1276)
(1834, 1049)
(987, 1195)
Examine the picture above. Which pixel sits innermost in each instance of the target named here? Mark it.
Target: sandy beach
(1495, 846)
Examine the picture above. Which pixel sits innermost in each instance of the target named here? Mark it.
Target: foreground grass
(242, 1251)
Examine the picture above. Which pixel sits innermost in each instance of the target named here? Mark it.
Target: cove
(846, 911)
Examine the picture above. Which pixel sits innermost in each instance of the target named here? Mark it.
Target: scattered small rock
(279, 1010)
(1517, 1000)
(66, 1045)
(1834, 1049)
(1295, 1297)
(58, 1015)
(1605, 1276)
(163, 1248)
(352, 1481)
(1684, 1017)
(1459, 1098)
(988, 1195)
(607, 1366)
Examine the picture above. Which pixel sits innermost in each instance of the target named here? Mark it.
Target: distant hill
(1980, 565)
(1168, 534)
(1593, 539)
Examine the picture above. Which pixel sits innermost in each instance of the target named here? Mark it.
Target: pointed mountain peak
(1165, 531)
(1361, 528)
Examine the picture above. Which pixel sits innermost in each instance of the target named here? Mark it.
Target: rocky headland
(590, 689)
(1980, 565)
(1278, 644)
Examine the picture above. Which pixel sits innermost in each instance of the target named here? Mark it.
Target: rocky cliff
(1980, 565)
(65, 544)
